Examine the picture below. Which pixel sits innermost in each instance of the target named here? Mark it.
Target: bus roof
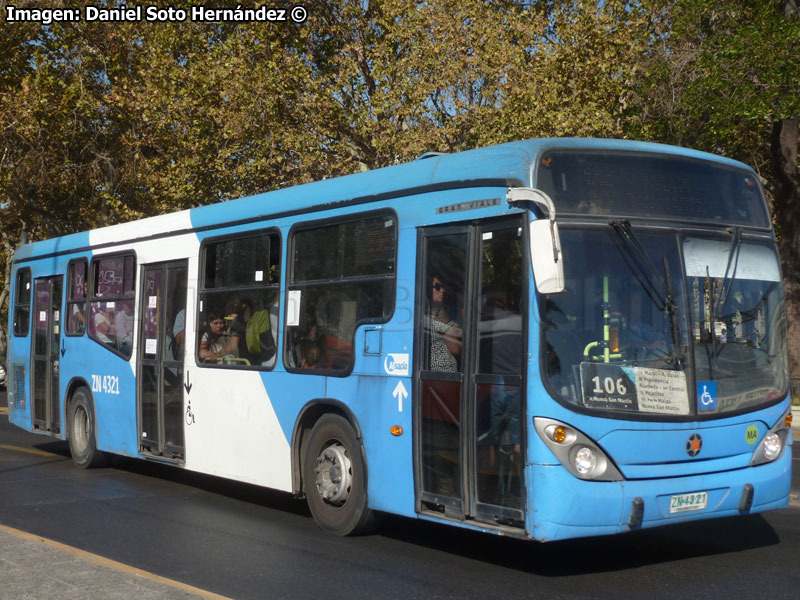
(508, 164)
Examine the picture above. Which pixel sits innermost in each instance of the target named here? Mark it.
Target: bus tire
(82, 432)
(335, 478)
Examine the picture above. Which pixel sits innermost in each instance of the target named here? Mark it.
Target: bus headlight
(580, 455)
(584, 461)
(771, 446)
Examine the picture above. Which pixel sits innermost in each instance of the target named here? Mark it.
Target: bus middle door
(160, 365)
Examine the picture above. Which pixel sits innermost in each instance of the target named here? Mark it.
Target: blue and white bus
(545, 339)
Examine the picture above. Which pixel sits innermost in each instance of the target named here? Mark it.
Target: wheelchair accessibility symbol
(706, 395)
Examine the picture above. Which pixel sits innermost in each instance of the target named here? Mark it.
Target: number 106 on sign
(609, 385)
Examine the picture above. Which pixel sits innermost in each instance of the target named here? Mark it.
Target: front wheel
(82, 437)
(335, 478)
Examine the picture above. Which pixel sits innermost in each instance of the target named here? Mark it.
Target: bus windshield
(641, 330)
(738, 323)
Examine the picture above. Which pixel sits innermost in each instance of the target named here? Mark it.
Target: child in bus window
(310, 354)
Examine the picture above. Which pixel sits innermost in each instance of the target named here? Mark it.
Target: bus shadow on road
(247, 493)
(608, 553)
(234, 490)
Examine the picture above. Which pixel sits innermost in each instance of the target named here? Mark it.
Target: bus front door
(160, 364)
(469, 365)
(46, 357)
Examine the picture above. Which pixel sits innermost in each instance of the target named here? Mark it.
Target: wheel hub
(334, 474)
(80, 431)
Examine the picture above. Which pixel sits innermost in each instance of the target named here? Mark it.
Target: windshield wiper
(658, 288)
(659, 291)
(733, 250)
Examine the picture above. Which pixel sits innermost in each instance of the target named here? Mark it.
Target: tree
(47, 131)
(723, 78)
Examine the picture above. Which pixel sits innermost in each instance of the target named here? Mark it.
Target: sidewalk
(34, 568)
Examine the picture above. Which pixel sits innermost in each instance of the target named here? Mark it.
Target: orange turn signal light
(559, 434)
(396, 430)
(788, 419)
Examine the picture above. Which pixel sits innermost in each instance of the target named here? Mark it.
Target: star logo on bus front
(694, 445)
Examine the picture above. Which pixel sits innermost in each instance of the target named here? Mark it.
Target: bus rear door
(46, 353)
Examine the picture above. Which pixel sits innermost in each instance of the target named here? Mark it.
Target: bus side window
(22, 303)
(343, 274)
(239, 285)
(77, 288)
(113, 284)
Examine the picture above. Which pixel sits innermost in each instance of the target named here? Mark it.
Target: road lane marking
(3, 410)
(112, 564)
(28, 450)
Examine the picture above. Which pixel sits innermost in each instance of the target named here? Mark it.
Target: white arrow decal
(400, 393)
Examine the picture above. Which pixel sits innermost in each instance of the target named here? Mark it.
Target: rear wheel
(82, 437)
(335, 478)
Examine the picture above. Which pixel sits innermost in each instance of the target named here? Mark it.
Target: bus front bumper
(564, 506)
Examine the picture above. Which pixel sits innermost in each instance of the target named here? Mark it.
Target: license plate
(684, 502)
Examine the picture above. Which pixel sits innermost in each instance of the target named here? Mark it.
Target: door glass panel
(149, 380)
(441, 432)
(55, 339)
(445, 295)
(161, 353)
(39, 391)
(498, 456)
(40, 318)
(41, 357)
(498, 405)
(172, 356)
(148, 390)
(445, 277)
(152, 302)
(46, 357)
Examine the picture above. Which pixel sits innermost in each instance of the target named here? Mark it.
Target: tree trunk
(7, 253)
(787, 211)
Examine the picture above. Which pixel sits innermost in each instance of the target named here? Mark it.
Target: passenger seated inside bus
(103, 325)
(310, 354)
(216, 342)
(328, 318)
(123, 326)
(254, 330)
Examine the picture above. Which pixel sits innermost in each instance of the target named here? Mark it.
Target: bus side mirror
(546, 257)
(548, 266)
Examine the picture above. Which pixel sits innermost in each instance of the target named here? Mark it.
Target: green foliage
(722, 75)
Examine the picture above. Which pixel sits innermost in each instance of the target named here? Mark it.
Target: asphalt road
(245, 542)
